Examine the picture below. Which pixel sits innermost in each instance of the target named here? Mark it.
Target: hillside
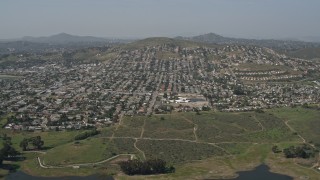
(306, 53)
(279, 45)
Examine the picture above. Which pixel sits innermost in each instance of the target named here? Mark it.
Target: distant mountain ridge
(291, 47)
(281, 45)
(54, 42)
(63, 38)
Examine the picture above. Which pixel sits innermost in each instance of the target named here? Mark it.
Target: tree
(275, 149)
(165, 95)
(205, 108)
(157, 165)
(152, 166)
(289, 152)
(24, 144)
(7, 150)
(1, 157)
(304, 151)
(305, 105)
(183, 89)
(238, 90)
(86, 134)
(37, 142)
(63, 118)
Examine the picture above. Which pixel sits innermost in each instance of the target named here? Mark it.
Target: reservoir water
(261, 173)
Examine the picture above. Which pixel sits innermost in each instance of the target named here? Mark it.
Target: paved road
(154, 97)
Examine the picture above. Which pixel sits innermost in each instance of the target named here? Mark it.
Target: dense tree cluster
(7, 150)
(304, 151)
(152, 166)
(164, 109)
(206, 108)
(86, 134)
(36, 142)
(23, 118)
(238, 90)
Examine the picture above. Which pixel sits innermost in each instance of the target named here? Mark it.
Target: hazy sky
(145, 18)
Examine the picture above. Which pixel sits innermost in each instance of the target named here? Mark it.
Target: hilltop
(155, 41)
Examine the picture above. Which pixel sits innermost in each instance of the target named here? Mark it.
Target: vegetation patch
(35, 142)
(303, 151)
(178, 151)
(124, 146)
(303, 121)
(51, 139)
(152, 166)
(272, 135)
(134, 122)
(235, 148)
(130, 127)
(168, 126)
(124, 131)
(86, 134)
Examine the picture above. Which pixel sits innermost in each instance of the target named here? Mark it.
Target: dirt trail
(302, 138)
(262, 127)
(195, 128)
(43, 165)
(304, 141)
(118, 125)
(142, 128)
(41, 152)
(135, 146)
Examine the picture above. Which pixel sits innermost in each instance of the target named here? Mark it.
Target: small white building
(182, 100)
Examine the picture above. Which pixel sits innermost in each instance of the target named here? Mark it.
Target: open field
(212, 127)
(89, 150)
(51, 139)
(168, 126)
(209, 145)
(240, 127)
(304, 121)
